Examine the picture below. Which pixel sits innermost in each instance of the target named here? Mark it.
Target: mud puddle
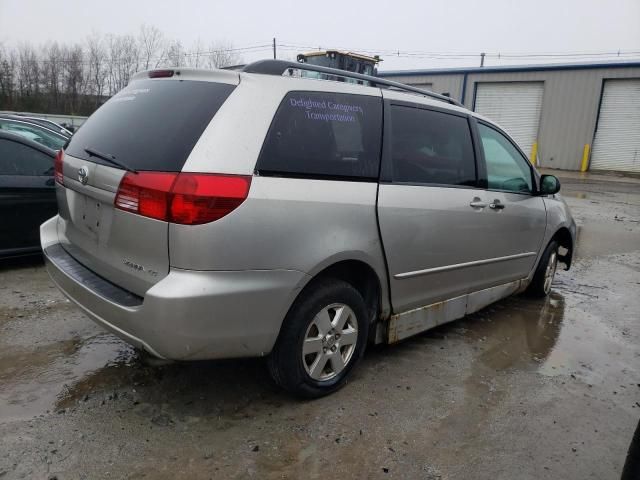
(546, 336)
(52, 376)
(606, 238)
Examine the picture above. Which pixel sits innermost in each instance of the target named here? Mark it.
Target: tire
(318, 372)
(540, 285)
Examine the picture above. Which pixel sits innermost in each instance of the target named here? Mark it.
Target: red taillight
(160, 73)
(185, 198)
(146, 193)
(57, 167)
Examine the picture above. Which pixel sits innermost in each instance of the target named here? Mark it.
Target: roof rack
(278, 67)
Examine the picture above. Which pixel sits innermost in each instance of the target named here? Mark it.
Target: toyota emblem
(83, 175)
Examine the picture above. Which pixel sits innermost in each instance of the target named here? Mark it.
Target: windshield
(151, 124)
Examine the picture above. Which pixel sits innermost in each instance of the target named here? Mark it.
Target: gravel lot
(521, 390)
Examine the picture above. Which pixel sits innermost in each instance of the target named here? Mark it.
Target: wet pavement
(523, 389)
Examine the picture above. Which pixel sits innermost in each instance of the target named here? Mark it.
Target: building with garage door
(573, 116)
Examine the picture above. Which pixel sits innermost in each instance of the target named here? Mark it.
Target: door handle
(496, 205)
(477, 203)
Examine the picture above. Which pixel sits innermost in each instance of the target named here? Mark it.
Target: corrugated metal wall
(569, 105)
(451, 84)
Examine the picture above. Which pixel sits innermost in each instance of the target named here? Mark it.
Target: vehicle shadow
(27, 261)
(513, 332)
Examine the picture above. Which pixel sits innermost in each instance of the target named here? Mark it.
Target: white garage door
(617, 142)
(515, 106)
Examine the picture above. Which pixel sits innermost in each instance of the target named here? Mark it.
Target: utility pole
(481, 59)
(274, 48)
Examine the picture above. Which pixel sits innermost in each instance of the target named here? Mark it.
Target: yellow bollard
(534, 153)
(585, 158)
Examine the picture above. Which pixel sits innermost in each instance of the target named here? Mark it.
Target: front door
(515, 218)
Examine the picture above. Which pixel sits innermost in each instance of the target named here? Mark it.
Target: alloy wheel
(330, 342)
(550, 271)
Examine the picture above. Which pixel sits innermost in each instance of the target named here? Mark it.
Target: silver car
(219, 214)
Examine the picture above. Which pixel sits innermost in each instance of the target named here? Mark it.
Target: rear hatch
(150, 126)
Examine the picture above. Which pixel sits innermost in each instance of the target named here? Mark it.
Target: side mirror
(549, 185)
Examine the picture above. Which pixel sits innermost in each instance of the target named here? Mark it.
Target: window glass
(18, 159)
(151, 124)
(34, 132)
(324, 134)
(506, 167)
(431, 147)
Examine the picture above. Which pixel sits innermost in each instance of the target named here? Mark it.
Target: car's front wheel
(322, 338)
(540, 285)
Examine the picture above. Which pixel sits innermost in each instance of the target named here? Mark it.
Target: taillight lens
(57, 167)
(184, 198)
(160, 73)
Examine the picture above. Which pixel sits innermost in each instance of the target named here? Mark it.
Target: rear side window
(151, 124)
(431, 147)
(324, 135)
(18, 159)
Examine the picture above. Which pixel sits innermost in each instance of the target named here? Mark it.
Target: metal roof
(511, 68)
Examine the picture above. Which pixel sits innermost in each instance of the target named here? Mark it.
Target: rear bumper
(189, 315)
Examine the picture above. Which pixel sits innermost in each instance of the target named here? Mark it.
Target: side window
(324, 134)
(18, 159)
(506, 167)
(35, 133)
(431, 147)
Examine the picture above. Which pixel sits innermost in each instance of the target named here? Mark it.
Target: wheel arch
(565, 240)
(363, 277)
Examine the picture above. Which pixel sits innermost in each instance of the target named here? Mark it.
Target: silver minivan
(219, 214)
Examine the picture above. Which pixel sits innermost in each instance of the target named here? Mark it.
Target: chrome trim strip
(457, 266)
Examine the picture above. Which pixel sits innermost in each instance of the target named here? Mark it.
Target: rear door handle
(496, 205)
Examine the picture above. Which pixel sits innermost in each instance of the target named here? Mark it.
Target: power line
(169, 55)
(457, 55)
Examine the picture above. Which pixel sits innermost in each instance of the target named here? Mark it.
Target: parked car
(51, 125)
(27, 193)
(33, 131)
(282, 217)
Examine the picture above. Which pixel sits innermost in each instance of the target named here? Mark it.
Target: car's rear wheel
(322, 338)
(540, 285)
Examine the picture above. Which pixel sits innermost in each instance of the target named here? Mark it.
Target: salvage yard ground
(525, 389)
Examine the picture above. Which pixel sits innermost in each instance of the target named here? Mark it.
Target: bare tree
(73, 77)
(78, 78)
(129, 58)
(28, 76)
(151, 45)
(175, 54)
(8, 62)
(222, 54)
(52, 63)
(97, 68)
(118, 63)
(196, 57)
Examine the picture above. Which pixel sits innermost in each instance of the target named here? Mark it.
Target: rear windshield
(151, 124)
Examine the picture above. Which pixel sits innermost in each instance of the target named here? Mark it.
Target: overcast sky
(418, 26)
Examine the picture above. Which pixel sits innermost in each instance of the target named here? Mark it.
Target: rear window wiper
(109, 158)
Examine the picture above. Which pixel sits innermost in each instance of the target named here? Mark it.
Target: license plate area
(89, 216)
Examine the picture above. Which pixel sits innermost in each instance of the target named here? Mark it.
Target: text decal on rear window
(324, 134)
(327, 110)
